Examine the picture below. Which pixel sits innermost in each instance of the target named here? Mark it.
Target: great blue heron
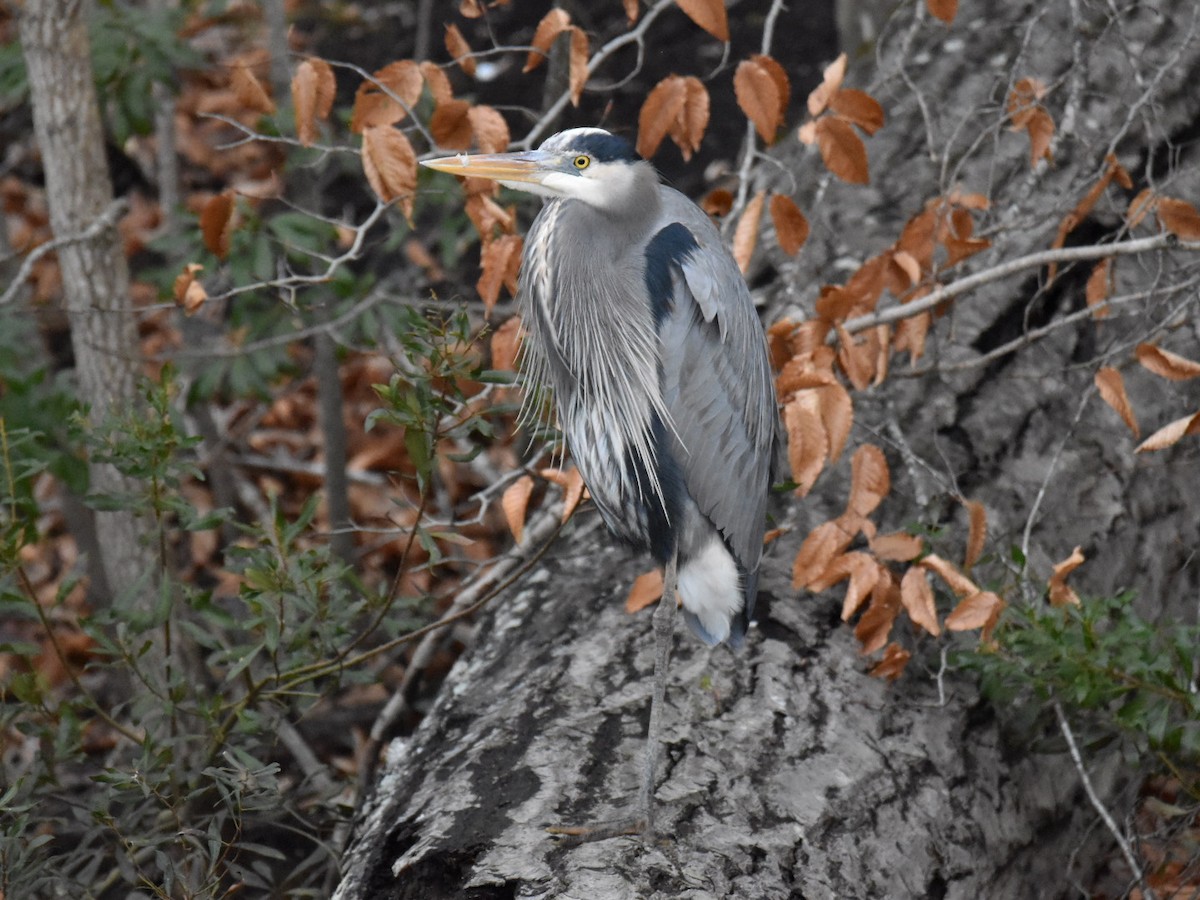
(640, 322)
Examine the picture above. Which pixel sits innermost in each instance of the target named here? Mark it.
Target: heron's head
(586, 164)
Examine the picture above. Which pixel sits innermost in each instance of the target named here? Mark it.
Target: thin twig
(1098, 805)
(107, 219)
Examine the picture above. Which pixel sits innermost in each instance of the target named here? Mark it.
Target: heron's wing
(716, 378)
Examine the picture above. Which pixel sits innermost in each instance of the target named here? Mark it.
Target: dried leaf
(216, 224)
(470, 9)
(898, 546)
(250, 91)
(646, 591)
(876, 623)
(1061, 593)
(439, 83)
(661, 107)
(870, 481)
(313, 90)
(515, 502)
(858, 107)
(717, 202)
(688, 127)
(489, 128)
(1099, 285)
(1166, 364)
(758, 93)
(571, 481)
(808, 445)
(976, 532)
(745, 236)
(979, 610)
(194, 297)
(1140, 207)
(842, 151)
(1023, 100)
(709, 15)
(862, 571)
(1112, 392)
(791, 227)
(917, 596)
(506, 344)
(500, 261)
(895, 658)
(460, 50)
(390, 165)
(945, 10)
(822, 545)
(908, 264)
(1180, 218)
(578, 63)
(955, 580)
(631, 11)
(184, 280)
(823, 93)
(550, 27)
(910, 335)
(373, 105)
(837, 416)
(450, 125)
(856, 358)
(1041, 133)
(1170, 434)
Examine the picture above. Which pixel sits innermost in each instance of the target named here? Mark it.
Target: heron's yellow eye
(581, 162)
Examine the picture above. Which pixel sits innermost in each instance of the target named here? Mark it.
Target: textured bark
(790, 773)
(54, 39)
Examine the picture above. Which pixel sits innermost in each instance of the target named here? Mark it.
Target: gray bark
(789, 772)
(54, 39)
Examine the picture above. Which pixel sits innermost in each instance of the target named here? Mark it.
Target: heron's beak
(530, 166)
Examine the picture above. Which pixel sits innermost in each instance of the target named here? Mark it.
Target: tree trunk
(54, 39)
(789, 772)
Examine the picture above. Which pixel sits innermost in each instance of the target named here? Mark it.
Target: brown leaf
(837, 416)
(216, 224)
(976, 532)
(808, 445)
(1170, 434)
(945, 10)
(1166, 364)
(958, 249)
(910, 335)
(489, 128)
(661, 107)
(578, 63)
(898, 546)
(955, 580)
(822, 545)
(908, 264)
(979, 610)
(647, 590)
(917, 597)
(862, 571)
(895, 658)
(1061, 593)
(1041, 133)
(550, 27)
(571, 482)
(870, 481)
(184, 280)
(876, 623)
(450, 125)
(631, 10)
(1023, 100)
(1099, 284)
(823, 93)
(856, 358)
(439, 83)
(745, 236)
(717, 202)
(470, 9)
(390, 165)
(1180, 218)
(500, 260)
(709, 15)
(858, 107)
(250, 91)
(506, 344)
(842, 150)
(194, 298)
(515, 502)
(791, 227)
(758, 94)
(1112, 392)
(688, 126)
(374, 103)
(460, 50)
(1140, 206)
(313, 90)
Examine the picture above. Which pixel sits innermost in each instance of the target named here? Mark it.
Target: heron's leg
(643, 820)
(664, 633)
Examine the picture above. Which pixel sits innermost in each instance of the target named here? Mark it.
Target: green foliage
(1114, 671)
